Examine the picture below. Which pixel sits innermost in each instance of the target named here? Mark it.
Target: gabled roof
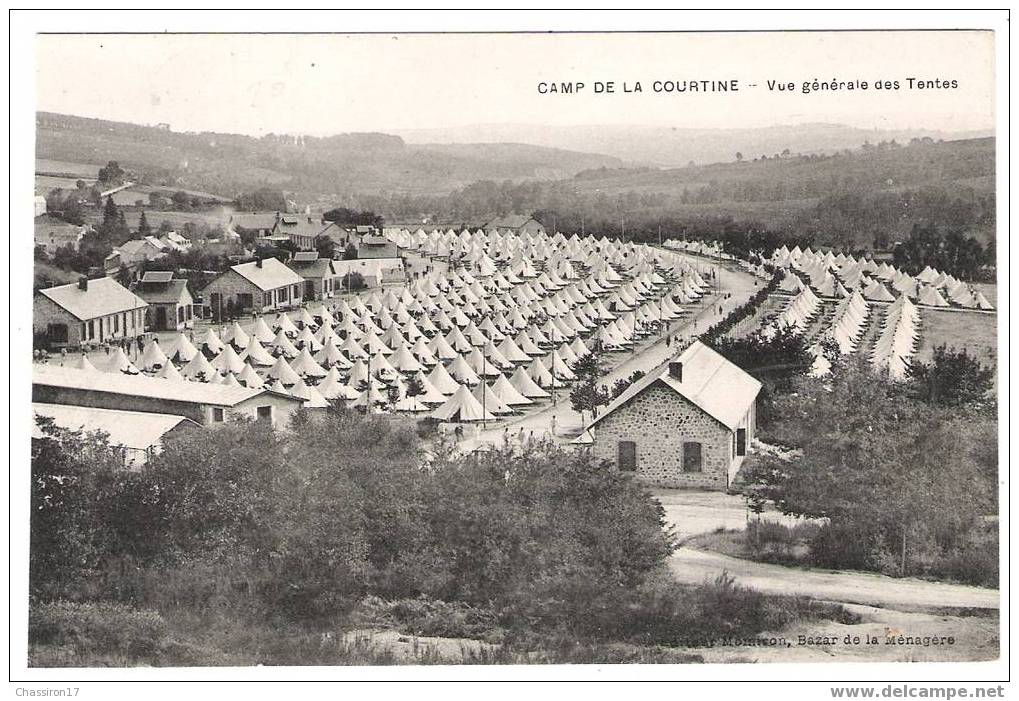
(161, 292)
(131, 429)
(133, 246)
(104, 296)
(718, 387)
(314, 268)
(143, 386)
(270, 275)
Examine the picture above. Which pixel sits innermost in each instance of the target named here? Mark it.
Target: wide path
(695, 566)
(559, 421)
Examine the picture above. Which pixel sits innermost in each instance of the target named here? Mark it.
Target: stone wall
(45, 311)
(659, 421)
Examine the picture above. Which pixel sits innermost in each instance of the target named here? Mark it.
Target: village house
(688, 425)
(171, 307)
(515, 224)
(201, 402)
(260, 224)
(136, 435)
(301, 231)
(87, 311)
(52, 233)
(320, 278)
(263, 285)
(136, 251)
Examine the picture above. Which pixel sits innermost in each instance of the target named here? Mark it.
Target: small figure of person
(141, 344)
(668, 340)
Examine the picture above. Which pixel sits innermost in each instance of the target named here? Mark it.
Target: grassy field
(975, 332)
(88, 171)
(177, 219)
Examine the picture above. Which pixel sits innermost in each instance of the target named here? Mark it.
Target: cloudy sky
(321, 84)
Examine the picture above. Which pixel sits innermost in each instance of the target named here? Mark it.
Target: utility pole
(484, 390)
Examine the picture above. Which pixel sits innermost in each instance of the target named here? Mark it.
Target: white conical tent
(509, 394)
(249, 378)
(442, 380)
(430, 393)
(82, 363)
(228, 361)
(255, 354)
(311, 396)
(211, 343)
(169, 372)
(153, 357)
(462, 406)
(411, 405)
(523, 383)
(283, 372)
(306, 366)
(199, 369)
(181, 349)
(261, 331)
(236, 336)
(491, 402)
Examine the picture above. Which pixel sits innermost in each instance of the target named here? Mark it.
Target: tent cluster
(500, 331)
(897, 340)
(838, 275)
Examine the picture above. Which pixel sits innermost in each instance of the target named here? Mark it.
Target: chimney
(83, 283)
(676, 370)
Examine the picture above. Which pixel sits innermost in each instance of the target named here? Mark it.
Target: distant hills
(676, 146)
(330, 167)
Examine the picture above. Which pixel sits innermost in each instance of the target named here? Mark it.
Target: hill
(311, 167)
(864, 198)
(675, 146)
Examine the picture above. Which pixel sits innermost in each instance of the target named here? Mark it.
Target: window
(741, 441)
(91, 329)
(264, 413)
(692, 461)
(627, 456)
(217, 414)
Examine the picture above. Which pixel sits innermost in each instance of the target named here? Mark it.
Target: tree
(894, 477)
(143, 225)
(350, 252)
(415, 387)
(952, 378)
(325, 246)
(111, 174)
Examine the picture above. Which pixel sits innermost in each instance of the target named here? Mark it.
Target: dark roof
(313, 268)
(295, 225)
(168, 292)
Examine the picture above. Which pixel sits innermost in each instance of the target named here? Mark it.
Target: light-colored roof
(104, 296)
(270, 275)
(131, 429)
(720, 388)
(142, 386)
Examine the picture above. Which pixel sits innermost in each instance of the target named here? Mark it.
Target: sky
(325, 84)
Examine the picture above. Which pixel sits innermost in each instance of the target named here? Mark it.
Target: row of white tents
(476, 343)
(838, 275)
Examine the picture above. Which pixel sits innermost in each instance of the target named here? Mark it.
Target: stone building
(261, 286)
(171, 306)
(321, 281)
(688, 425)
(87, 311)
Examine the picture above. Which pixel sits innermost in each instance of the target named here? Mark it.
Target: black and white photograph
(481, 351)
